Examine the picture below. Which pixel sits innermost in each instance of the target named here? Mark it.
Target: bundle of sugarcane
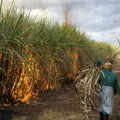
(86, 85)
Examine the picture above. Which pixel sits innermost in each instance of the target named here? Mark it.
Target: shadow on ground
(6, 114)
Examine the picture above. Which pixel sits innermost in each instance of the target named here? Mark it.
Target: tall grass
(36, 56)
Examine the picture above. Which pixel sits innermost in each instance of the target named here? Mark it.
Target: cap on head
(108, 66)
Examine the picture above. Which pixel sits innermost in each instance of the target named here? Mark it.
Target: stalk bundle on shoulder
(87, 87)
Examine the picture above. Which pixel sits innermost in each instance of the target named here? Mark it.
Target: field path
(56, 105)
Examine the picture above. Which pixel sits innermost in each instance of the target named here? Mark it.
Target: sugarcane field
(55, 71)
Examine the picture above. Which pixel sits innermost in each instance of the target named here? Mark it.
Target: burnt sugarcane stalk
(85, 84)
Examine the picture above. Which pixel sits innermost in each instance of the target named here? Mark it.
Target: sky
(99, 19)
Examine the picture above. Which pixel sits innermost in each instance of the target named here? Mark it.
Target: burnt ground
(62, 104)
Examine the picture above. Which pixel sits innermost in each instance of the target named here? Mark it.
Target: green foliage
(104, 50)
(22, 37)
(47, 40)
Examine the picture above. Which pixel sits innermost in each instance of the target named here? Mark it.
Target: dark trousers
(103, 116)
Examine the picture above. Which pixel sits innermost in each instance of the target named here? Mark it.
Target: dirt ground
(62, 104)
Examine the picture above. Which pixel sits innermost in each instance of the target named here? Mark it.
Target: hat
(108, 66)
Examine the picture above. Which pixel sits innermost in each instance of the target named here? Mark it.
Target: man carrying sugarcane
(108, 81)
